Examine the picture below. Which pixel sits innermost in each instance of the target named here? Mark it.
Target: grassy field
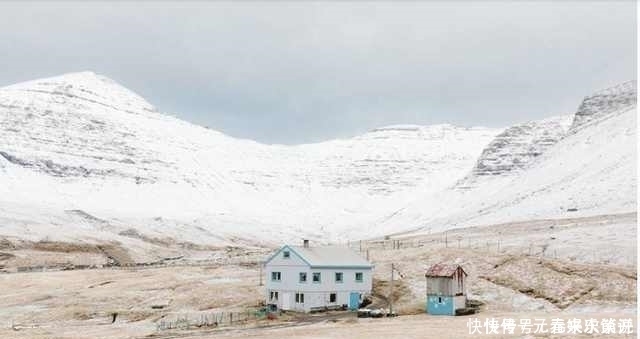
(521, 270)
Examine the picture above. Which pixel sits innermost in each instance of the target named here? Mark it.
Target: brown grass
(64, 247)
(381, 289)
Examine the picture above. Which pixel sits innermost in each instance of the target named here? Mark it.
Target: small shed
(446, 291)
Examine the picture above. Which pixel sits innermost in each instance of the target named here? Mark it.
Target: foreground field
(539, 269)
(412, 326)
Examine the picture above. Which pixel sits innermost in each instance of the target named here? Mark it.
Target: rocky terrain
(601, 103)
(518, 146)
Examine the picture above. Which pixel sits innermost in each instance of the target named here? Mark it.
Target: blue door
(354, 300)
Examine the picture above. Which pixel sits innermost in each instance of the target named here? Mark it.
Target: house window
(316, 277)
(359, 276)
(338, 277)
(273, 296)
(303, 277)
(300, 298)
(276, 276)
(286, 254)
(332, 297)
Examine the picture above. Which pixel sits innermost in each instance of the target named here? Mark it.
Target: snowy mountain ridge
(86, 86)
(601, 103)
(543, 169)
(81, 142)
(519, 145)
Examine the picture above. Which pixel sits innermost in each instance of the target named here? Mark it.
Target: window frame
(335, 297)
(300, 275)
(274, 274)
(273, 296)
(286, 254)
(299, 298)
(361, 277)
(313, 277)
(341, 277)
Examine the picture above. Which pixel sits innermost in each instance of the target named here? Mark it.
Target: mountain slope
(589, 170)
(517, 147)
(601, 103)
(84, 159)
(81, 142)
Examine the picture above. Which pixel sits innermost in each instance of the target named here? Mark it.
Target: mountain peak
(412, 128)
(87, 86)
(602, 103)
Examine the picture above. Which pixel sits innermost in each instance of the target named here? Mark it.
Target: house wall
(316, 294)
(317, 299)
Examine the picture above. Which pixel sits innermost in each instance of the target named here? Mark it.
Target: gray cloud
(298, 72)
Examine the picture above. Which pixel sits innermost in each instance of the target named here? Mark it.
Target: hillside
(528, 172)
(85, 159)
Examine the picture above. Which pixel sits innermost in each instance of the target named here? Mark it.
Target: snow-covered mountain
(85, 159)
(81, 142)
(601, 103)
(518, 146)
(543, 169)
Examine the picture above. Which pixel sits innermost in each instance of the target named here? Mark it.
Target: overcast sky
(282, 72)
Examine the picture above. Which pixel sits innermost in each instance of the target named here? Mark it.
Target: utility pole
(391, 294)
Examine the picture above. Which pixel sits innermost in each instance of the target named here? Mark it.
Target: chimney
(305, 243)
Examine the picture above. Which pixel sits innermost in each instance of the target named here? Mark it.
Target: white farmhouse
(314, 278)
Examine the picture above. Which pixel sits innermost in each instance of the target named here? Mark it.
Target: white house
(313, 278)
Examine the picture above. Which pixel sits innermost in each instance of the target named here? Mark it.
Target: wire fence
(222, 261)
(368, 247)
(187, 321)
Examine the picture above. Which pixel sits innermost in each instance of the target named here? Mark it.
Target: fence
(392, 244)
(213, 319)
(221, 261)
(456, 240)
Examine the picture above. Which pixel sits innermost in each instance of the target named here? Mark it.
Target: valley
(117, 219)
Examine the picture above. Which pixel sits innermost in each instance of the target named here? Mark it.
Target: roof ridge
(327, 256)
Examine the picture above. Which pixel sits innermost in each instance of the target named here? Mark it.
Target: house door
(286, 301)
(354, 300)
